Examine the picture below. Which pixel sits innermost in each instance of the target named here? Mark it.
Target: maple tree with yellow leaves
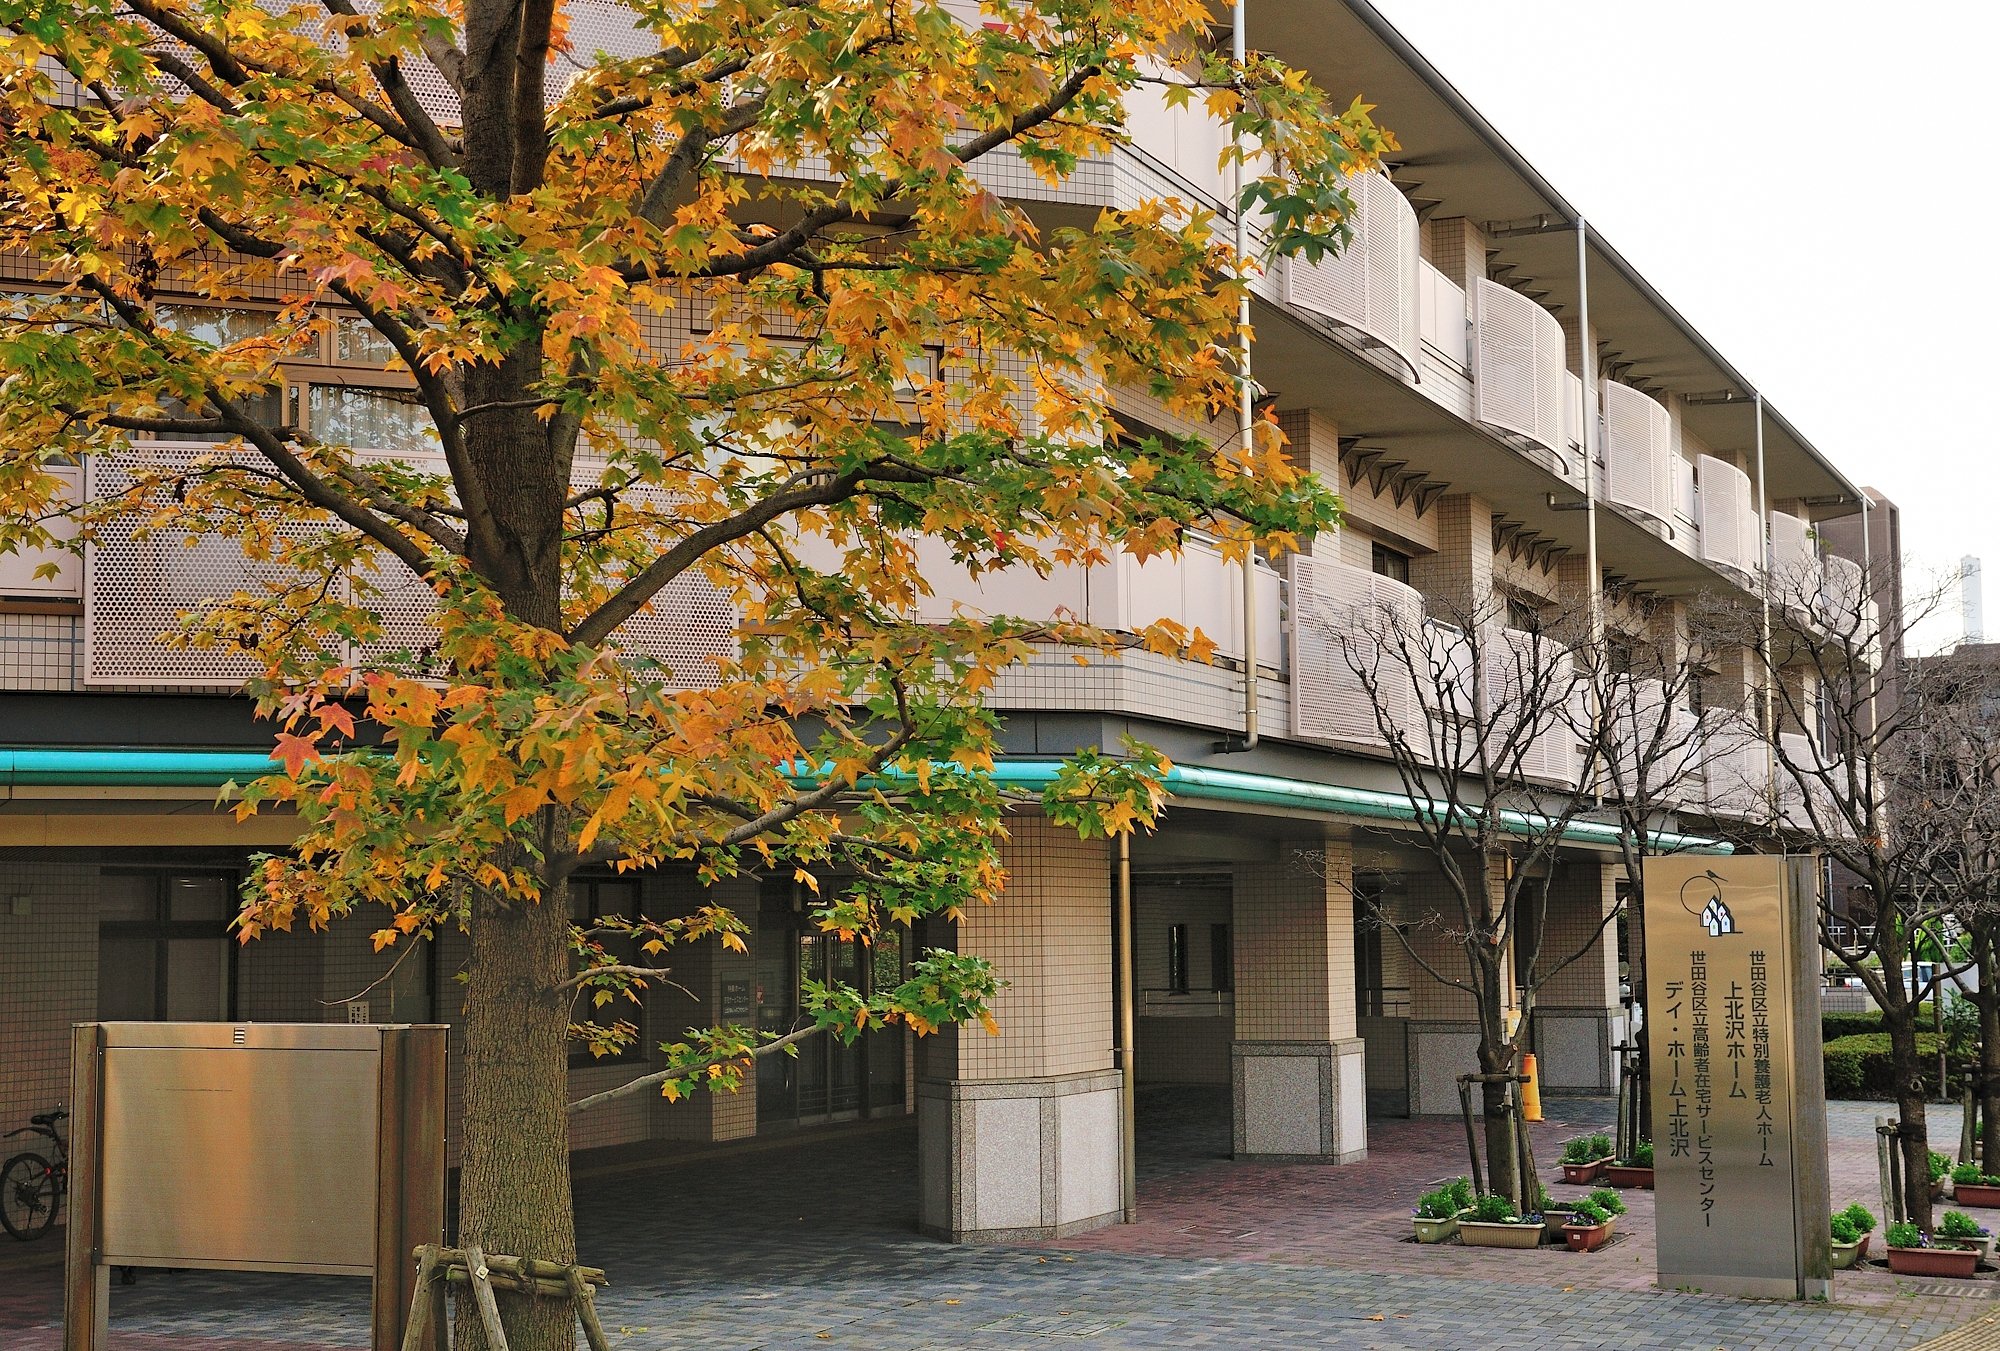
(729, 318)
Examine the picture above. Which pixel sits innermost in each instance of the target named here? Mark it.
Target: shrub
(1492, 1209)
(1861, 1217)
(1642, 1157)
(1607, 1200)
(1967, 1173)
(1578, 1151)
(1843, 1229)
(1859, 1066)
(1834, 1025)
(1584, 1213)
(1461, 1192)
(1600, 1145)
(1905, 1235)
(1939, 1164)
(1438, 1205)
(1958, 1224)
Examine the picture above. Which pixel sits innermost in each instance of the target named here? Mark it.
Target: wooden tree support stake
(440, 1268)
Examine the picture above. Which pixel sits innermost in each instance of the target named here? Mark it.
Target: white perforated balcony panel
(1796, 576)
(1841, 594)
(1373, 285)
(1517, 366)
(141, 589)
(17, 570)
(1729, 529)
(1338, 613)
(1638, 451)
(1442, 319)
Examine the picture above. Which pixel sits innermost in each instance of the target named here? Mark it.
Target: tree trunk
(1900, 1021)
(514, 1195)
(1503, 1173)
(1635, 972)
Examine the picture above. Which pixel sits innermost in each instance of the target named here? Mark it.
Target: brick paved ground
(809, 1245)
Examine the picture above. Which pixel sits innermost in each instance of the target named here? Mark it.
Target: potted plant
(1494, 1223)
(1437, 1212)
(1589, 1228)
(1972, 1187)
(1940, 1164)
(1862, 1219)
(1959, 1228)
(1608, 1201)
(1848, 1242)
(1636, 1171)
(1912, 1254)
(1555, 1214)
(1584, 1157)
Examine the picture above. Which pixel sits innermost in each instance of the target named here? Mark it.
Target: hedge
(1858, 1066)
(1836, 1025)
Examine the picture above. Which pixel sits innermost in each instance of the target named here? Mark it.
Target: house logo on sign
(1713, 911)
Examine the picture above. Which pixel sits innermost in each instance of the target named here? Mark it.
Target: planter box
(1977, 1194)
(1583, 1174)
(1628, 1175)
(1959, 1262)
(1553, 1220)
(1848, 1255)
(1586, 1237)
(1434, 1231)
(1479, 1234)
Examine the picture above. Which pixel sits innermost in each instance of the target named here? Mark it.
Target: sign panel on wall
(1739, 1111)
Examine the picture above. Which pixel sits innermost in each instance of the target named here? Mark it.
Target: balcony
(1335, 609)
(1736, 766)
(1372, 288)
(1731, 534)
(1519, 383)
(1638, 453)
(1797, 580)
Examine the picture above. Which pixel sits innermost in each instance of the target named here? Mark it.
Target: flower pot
(1959, 1262)
(1977, 1194)
(1481, 1234)
(1848, 1255)
(1937, 1189)
(1628, 1175)
(1583, 1174)
(1587, 1237)
(1553, 1220)
(1434, 1231)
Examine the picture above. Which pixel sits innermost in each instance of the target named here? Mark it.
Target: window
(1221, 960)
(1177, 959)
(592, 899)
(163, 949)
(372, 419)
(1524, 616)
(1389, 563)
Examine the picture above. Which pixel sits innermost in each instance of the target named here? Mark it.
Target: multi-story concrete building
(1442, 374)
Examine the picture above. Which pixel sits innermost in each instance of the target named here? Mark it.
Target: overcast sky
(1810, 183)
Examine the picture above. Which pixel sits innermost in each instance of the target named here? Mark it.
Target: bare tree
(1645, 714)
(1477, 719)
(1844, 752)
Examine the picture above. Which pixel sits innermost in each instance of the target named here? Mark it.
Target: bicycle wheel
(27, 1196)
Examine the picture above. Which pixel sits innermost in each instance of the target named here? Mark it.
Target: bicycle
(31, 1186)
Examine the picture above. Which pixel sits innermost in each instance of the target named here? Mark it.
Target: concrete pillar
(1579, 1019)
(1298, 1082)
(1019, 1133)
(1458, 579)
(1444, 1019)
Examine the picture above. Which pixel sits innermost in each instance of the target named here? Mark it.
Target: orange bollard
(1531, 1089)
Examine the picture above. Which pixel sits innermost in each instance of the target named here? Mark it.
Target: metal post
(1770, 673)
(1127, 1065)
(1588, 361)
(1471, 1139)
(1245, 395)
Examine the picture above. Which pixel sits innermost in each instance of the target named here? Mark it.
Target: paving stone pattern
(810, 1244)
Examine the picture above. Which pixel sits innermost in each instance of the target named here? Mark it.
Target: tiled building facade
(1255, 963)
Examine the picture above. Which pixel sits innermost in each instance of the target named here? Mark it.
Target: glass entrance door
(828, 1080)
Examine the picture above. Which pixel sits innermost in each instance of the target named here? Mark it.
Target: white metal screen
(1340, 614)
(1795, 570)
(1638, 451)
(1517, 365)
(1373, 285)
(1729, 530)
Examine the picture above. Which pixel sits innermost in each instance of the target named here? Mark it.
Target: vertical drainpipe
(1769, 719)
(1245, 411)
(1587, 359)
(1127, 1067)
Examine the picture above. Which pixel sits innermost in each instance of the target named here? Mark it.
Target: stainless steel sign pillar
(253, 1147)
(1739, 1116)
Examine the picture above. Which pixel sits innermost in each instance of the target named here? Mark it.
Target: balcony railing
(1518, 370)
(1338, 611)
(1370, 288)
(1731, 534)
(1638, 452)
